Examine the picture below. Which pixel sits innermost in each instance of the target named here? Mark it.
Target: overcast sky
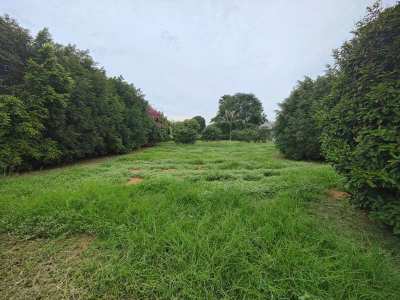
(184, 55)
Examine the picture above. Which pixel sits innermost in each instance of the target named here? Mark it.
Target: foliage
(241, 227)
(186, 132)
(14, 53)
(296, 131)
(238, 112)
(161, 127)
(361, 118)
(212, 133)
(245, 135)
(58, 106)
(263, 134)
(202, 123)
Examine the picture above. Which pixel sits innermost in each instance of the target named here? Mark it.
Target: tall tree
(239, 111)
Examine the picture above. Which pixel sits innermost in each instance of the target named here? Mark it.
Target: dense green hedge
(186, 132)
(57, 106)
(296, 132)
(351, 116)
(361, 118)
(212, 133)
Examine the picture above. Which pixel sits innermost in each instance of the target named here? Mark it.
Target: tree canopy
(239, 111)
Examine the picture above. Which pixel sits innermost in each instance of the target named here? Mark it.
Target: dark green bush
(186, 132)
(361, 118)
(212, 133)
(201, 121)
(57, 105)
(245, 135)
(296, 131)
(264, 134)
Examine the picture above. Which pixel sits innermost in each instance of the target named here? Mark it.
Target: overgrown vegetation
(57, 105)
(354, 122)
(215, 220)
(186, 132)
(296, 131)
(240, 117)
(212, 133)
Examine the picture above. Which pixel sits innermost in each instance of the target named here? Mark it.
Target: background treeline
(351, 115)
(240, 117)
(57, 105)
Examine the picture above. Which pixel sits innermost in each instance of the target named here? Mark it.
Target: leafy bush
(212, 133)
(201, 121)
(263, 134)
(186, 132)
(296, 131)
(57, 105)
(361, 118)
(246, 135)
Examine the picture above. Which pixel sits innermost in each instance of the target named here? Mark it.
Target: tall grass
(209, 221)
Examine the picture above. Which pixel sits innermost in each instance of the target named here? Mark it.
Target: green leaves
(361, 123)
(239, 111)
(186, 132)
(296, 130)
(58, 106)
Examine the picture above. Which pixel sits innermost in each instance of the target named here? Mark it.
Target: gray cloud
(184, 55)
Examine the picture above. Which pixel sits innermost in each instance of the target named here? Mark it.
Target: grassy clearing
(207, 221)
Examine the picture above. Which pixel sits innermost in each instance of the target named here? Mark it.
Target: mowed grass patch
(241, 226)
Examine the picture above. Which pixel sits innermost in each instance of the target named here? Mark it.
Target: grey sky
(184, 55)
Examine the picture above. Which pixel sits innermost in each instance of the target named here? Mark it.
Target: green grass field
(214, 220)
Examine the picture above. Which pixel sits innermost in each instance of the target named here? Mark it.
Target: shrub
(201, 121)
(296, 132)
(186, 132)
(361, 119)
(263, 134)
(57, 105)
(212, 133)
(246, 135)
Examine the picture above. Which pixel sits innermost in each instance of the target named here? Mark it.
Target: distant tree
(245, 135)
(186, 132)
(239, 111)
(263, 135)
(201, 121)
(212, 133)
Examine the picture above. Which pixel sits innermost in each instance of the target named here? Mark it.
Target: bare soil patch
(135, 180)
(337, 195)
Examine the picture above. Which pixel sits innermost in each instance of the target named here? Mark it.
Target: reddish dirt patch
(135, 180)
(337, 195)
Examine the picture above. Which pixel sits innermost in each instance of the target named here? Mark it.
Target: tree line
(240, 117)
(57, 105)
(350, 116)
